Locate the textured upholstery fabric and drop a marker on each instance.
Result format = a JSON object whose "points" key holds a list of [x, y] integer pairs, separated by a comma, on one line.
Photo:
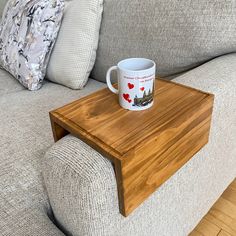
{"points": [[8, 84], [2, 5], [28, 32], [30, 221], [74, 54], [81, 182], [25, 136], [177, 35]]}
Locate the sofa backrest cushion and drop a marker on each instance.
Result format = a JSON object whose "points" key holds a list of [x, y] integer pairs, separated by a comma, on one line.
{"points": [[178, 35], [74, 54]]}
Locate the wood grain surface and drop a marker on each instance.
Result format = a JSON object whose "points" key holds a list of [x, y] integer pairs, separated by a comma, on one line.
{"points": [[146, 147], [221, 219]]}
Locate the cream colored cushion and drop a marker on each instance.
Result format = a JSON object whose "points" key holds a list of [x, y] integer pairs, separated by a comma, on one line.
{"points": [[74, 54], [177, 35]]}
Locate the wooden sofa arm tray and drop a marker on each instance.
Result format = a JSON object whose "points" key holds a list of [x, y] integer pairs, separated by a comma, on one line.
{"points": [[146, 147]]}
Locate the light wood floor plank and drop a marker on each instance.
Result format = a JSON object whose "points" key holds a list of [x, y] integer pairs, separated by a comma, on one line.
{"points": [[207, 228], [224, 233], [195, 233], [223, 224], [226, 219], [230, 195], [225, 207], [221, 219], [233, 185]]}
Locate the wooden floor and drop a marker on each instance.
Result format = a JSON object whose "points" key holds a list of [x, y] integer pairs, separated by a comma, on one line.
{"points": [[221, 219]]}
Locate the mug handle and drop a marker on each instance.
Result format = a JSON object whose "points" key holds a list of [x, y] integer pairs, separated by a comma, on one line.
{"points": [[108, 79]]}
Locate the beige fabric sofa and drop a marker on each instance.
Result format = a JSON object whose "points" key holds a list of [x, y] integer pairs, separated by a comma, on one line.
{"points": [[71, 190]]}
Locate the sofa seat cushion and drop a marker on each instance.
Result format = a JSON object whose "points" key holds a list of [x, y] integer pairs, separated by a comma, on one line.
{"points": [[8, 84], [30, 221], [25, 136]]}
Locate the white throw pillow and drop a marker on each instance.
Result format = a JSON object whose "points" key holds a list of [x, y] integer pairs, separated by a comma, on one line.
{"points": [[74, 54], [28, 32]]}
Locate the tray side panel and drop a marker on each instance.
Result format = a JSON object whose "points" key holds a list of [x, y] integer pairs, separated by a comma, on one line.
{"points": [[148, 166]]}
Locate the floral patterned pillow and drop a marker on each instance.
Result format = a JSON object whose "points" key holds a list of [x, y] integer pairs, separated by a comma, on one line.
{"points": [[28, 32]]}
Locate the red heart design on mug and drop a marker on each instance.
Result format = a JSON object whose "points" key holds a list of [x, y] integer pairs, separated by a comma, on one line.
{"points": [[142, 89], [131, 86], [127, 98]]}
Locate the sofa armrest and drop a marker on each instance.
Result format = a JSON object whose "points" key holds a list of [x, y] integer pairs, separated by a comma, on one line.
{"points": [[82, 188]]}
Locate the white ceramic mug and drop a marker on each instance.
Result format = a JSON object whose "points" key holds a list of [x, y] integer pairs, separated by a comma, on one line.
{"points": [[136, 83]]}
